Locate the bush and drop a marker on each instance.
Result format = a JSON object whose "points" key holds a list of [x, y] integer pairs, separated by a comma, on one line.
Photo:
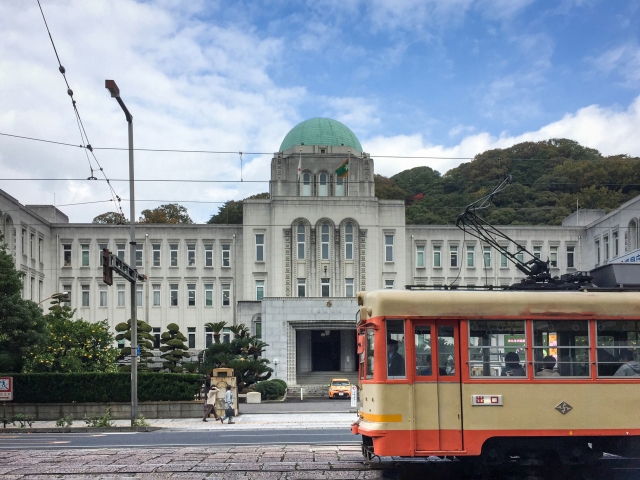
{"points": [[104, 421], [23, 420], [280, 382], [103, 387], [270, 389], [65, 421]]}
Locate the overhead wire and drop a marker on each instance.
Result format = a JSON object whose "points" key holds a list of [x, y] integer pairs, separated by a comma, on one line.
{"points": [[86, 144]]}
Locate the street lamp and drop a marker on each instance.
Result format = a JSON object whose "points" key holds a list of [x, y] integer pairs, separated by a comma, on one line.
{"points": [[115, 93]]}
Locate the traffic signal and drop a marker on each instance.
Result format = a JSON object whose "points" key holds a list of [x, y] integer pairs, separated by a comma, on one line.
{"points": [[107, 273]]}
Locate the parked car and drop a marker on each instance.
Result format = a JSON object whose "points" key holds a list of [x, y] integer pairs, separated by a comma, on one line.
{"points": [[340, 388]]}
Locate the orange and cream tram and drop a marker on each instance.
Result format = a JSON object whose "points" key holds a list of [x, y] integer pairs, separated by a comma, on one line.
{"points": [[499, 373]]}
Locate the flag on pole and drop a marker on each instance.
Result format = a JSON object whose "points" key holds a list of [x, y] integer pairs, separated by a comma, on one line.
{"points": [[300, 165], [343, 170]]}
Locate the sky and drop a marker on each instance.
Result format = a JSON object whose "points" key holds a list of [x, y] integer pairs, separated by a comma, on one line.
{"points": [[432, 78]]}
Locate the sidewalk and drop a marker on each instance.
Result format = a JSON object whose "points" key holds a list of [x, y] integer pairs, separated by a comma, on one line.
{"points": [[248, 421]]}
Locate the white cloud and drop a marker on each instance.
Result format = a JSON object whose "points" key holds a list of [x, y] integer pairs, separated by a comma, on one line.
{"points": [[623, 60], [610, 130]]}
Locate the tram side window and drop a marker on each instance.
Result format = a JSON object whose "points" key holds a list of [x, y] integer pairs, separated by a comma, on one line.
{"points": [[446, 351], [370, 353], [618, 349], [561, 348], [395, 349], [497, 348], [423, 351]]}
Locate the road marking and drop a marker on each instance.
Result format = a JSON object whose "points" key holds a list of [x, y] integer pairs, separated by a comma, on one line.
{"points": [[161, 445]]}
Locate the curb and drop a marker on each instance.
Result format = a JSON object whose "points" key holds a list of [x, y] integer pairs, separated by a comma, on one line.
{"points": [[78, 430]]}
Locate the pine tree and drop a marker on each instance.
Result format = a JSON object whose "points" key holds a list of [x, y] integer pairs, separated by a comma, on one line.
{"points": [[174, 348]]}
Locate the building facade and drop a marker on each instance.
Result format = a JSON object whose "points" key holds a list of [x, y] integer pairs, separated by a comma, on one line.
{"points": [[291, 270]]}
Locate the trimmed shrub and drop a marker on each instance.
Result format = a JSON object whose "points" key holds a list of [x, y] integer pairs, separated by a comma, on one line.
{"points": [[282, 383], [269, 389], [103, 387]]}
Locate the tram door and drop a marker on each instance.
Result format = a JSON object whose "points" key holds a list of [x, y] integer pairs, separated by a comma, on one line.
{"points": [[437, 402]]}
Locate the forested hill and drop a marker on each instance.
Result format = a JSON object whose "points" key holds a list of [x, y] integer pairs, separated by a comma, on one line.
{"points": [[548, 178]]}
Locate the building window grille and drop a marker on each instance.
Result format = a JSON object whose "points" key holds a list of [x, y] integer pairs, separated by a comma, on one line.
{"points": [[301, 242], [420, 256], [85, 295], [553, 256], [324, 240], [85, 255], [226, 294], [191, 294], [208, 294], [173, 294], [453, 255], [121, 295], [156, 295], [306, 184], [348, 242], [173, 255], [437, 256], [325, 287], [103, 296], [260, 247], [156, 254], [570, 256], [226, 255], [388, 248], [471, 256], [66, 255], [208, 255], [348, 287]]}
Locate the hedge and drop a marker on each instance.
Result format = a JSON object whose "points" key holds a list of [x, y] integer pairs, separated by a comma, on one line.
{"points": [[270, 389], [103, 387]]}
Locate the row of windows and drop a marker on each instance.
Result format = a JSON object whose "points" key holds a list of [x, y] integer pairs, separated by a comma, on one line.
{"points": [[32, 245], [173, 298], [325, 242], [322, 185], [156, 254], [325, 287], [225, 336], [486, 252], [607, 247], [502, 348]]}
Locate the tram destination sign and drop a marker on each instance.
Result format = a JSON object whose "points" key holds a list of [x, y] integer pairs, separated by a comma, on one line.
{"points": [[6, 389], [486, 400]]}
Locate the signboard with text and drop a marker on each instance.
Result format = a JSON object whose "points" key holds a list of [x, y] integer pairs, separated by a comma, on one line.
{"points": [[486, 400], [6, 389], [354, 395]]}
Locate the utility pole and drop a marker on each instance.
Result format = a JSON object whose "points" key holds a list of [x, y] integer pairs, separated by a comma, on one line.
{"points": [[115, 93]]}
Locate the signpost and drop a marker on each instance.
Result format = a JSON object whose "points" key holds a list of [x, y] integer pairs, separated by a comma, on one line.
{"points": [[354, 396], [6, 393]]}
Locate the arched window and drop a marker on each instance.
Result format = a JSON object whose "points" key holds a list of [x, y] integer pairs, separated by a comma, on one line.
{"points": [[324, 242], [339, 187], [323, 191], [301, 242], [348, 242], [306, 185]]}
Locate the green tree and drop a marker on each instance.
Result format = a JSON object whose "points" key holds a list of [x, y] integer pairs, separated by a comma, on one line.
{"points": [[169, 213], [145, 341], [74, 345], [22, 326], [111, 218], [216, 328], [231, 212], [174, 349], [387, 189]]}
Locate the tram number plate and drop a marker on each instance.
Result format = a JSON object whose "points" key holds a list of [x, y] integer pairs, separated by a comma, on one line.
{"points": [[486, 400]]}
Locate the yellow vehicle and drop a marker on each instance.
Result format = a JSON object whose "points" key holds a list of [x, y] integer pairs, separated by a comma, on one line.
{"points": [[340, 388], [499, 374]]}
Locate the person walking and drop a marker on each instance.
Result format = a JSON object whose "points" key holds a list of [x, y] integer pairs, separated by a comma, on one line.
{"points": [[210, 403], [228, 406]]}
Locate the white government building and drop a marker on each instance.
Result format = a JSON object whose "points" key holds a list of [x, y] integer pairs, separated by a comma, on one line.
{"points": [[291, 270]]}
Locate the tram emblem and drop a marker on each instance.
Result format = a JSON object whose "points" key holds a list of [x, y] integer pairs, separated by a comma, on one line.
{"points": [[564, 408]]}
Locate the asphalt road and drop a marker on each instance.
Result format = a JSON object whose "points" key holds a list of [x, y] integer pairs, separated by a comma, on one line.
{"points": [[164, 438]]}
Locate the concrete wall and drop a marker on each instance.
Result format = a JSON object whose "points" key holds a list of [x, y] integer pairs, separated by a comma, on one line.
{"points": [[55, 411]]}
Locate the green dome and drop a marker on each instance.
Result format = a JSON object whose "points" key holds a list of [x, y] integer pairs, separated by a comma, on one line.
{"points": [[320, 131]]}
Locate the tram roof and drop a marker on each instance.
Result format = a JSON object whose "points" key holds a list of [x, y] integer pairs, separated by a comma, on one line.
{"points": [[504, 303]]}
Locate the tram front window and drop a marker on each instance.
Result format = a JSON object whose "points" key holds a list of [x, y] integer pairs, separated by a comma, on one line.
{"points": [[566, 342], [446, 352], [618, 348], [497, 348], [395, 349]]}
